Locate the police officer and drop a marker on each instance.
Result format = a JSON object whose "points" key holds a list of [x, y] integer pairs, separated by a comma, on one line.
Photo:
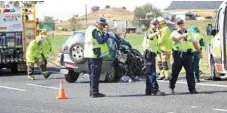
{"points": [[95, 49], [182, 56], [165, 44], [33, 57], [196, 56], [46, 46], [151, 49]]}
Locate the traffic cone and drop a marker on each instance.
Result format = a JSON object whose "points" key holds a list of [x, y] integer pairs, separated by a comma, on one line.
{"points": [[61, 92]]}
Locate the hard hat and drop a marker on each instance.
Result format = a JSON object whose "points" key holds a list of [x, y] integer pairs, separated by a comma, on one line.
{"points": [[194, 28], [40, 38], [102, 21], [155, 20], [161, 20]]}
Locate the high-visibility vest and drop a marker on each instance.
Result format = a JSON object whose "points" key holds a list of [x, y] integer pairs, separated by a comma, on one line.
{"points": [[165, 41], [91, 43], [151, 44], [183, 45]]}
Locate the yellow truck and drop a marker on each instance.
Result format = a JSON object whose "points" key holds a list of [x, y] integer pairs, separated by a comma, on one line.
{"points": [[17, 28], [217, 48]]}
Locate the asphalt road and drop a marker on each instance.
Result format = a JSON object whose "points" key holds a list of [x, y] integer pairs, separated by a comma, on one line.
{"points": [[20, 95]]}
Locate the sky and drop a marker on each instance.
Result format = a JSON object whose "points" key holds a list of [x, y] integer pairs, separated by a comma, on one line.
{"points": [[65, 9]]}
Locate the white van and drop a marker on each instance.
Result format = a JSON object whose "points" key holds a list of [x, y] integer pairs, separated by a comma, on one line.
{"points": [[217, 48]]}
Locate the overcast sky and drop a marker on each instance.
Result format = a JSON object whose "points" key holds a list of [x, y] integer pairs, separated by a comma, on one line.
{"points": [[64, 9]]}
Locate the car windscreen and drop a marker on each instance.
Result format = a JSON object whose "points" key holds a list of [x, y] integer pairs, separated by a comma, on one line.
{"points": [[76, 36]]}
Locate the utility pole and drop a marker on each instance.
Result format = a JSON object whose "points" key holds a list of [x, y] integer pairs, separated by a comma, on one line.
{"points": [[86, 14]]}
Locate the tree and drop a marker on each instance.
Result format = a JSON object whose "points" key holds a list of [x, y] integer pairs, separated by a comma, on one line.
{"points": [[49, 19], [73, 23], [17, 3], [95, 8], [123, 7], [107, 6], [141, 11]]}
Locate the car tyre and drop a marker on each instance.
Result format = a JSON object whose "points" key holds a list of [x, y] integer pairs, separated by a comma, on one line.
{"points": [[214, 73], [111, 74], [72, 76], [76, 53], [14, 69]]}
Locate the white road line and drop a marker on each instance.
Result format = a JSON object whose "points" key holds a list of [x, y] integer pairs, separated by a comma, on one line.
{"points": [[223, 110], [194, 106], [6, 87], [201, 84], [49, 87]]}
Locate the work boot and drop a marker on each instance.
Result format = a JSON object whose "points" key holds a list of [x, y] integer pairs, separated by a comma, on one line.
{"points": [[197, 80], [46, 74], [31, 77], [160, 78], [193, 91], [97, 95], [166, 79], [171, 90], [158, 93]]}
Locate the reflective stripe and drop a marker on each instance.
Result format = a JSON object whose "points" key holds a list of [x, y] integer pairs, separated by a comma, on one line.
{"points": [[151, 43]]}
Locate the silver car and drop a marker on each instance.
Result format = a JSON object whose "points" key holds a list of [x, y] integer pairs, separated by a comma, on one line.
{"points": [[72, 61]]}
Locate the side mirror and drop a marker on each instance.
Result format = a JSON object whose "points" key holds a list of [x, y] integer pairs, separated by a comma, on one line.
{"points": [[209, 30]]}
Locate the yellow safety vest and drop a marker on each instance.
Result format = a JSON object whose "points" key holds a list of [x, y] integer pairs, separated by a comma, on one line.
{"points": [[165, 41], [150, 44], [91, 43], [183, 45]]}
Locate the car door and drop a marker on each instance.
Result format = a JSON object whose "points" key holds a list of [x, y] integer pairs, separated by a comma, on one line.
{"points": [[224, 34]]}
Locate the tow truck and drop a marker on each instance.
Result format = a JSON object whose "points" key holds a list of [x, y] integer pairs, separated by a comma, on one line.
{"points": [[17, 28], [217, 48]]}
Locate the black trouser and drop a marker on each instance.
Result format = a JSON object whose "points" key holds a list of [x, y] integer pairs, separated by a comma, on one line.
{"points": [[180, 60], [95, 68], [150, 71]]}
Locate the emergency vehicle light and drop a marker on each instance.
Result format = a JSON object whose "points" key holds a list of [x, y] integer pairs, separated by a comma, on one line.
{"points": [[8, 10]]}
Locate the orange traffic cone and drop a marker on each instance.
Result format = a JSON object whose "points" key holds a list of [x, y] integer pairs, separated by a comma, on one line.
{"points": [[61, 92]]}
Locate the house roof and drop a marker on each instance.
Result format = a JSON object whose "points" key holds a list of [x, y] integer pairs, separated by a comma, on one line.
{"points": [[194, 5], [109, 11]]}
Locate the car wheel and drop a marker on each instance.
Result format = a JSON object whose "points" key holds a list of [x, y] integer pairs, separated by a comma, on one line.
{"points": [[214, 73], [72, 76], [14, 69], [111, 74], [76, 53]]}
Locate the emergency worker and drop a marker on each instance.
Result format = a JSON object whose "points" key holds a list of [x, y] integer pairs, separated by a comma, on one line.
{"points": [[33, 57], [95, 49], [182, 56], [46, 46], [165, 45], [196, 56], [151, 49]]}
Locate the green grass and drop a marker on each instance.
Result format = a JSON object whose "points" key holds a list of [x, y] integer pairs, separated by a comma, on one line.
{"points": [[136, 40]]}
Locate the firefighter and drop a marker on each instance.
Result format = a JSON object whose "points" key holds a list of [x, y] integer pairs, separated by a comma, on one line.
{"points": [[33, 57], [165, 44], [196, 56], [46, 46], [151, 49], [182, 56], [95, 49]]}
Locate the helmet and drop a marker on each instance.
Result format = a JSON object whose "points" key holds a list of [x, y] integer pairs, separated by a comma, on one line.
{"points": [[161, 20], [102, 21], [154, 20], [40, 38], [194, 28]]}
